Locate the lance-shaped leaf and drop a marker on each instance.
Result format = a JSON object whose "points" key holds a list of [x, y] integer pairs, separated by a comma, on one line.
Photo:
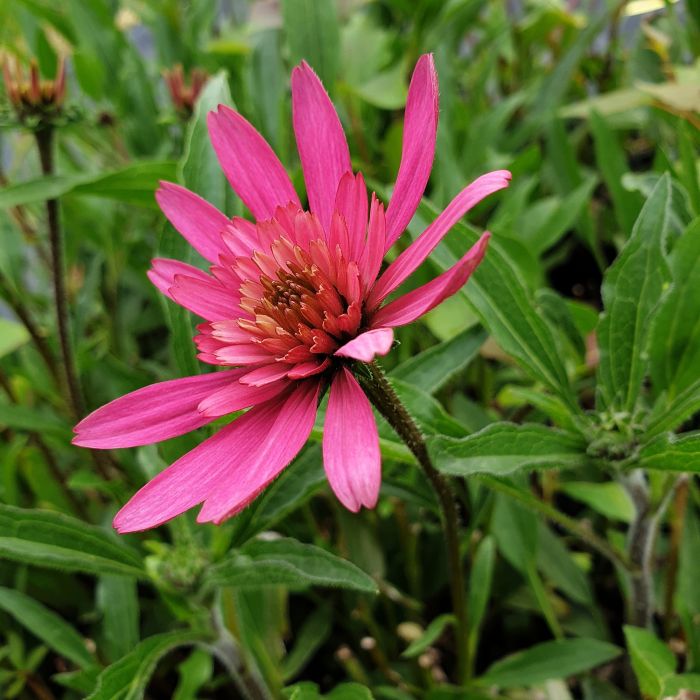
{"points": [[127, 678], [672, 453], [631, 291], [504, 448], [287, 562], [46, 625], [57, 541]]}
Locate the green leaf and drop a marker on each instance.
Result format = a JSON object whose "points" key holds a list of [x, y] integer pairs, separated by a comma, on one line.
{"points": [[480, 579], [194, 672], [117, 598], [12, 336], [433, 368], [609, 499], [311, 28], [313, 633], [675, 336], [653, 662], [134, 184], [199, 169], [557, 659], [431, 417], [612, 163], [431, 634], [43, 538], [670, 414], [631, 290], [46, 625], [287, 562], [127, 678], [33, 420], [675, 453], [503, 448]]}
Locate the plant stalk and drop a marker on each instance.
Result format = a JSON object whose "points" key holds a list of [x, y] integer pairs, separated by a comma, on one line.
{"points": [[384, 398]]}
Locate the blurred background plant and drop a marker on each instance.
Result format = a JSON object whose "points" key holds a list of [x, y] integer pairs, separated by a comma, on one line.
{"points": [[583, 578]]}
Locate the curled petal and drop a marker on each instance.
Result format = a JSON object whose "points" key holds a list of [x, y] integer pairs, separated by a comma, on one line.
{"points": [[164, 270], [411, 258], [366, 346], [351, 455], [252, 168], [157, 412], [418, 150], [414, 304], [323, 150]]}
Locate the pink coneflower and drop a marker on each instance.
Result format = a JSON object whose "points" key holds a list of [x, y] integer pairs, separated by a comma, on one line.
{"points": [[33, 96], [184, 94], [291, 302]]}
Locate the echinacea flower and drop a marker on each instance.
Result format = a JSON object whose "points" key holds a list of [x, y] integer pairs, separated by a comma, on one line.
{"points": [[183, 93], [32, 96], [290, 303]]}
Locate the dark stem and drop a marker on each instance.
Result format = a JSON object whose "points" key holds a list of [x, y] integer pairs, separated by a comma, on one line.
{"points": [[384, 398], [44, 140]]}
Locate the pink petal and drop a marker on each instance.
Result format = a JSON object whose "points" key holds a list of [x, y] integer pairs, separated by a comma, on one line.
{"points": [[351, 445], [163, 271], [264, 455], [323, 150], [368, 344], [198, 221], [308, 369], [151, 414], [411, 258], [252, 168], [373, 253], [206, 297], [351, 202], [244, 354], [418, 151], [192, 478], [411, 306], [237, 396], [266, 375]]}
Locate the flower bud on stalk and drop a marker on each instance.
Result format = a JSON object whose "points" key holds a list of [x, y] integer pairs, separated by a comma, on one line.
{"points": [[37, 103]]}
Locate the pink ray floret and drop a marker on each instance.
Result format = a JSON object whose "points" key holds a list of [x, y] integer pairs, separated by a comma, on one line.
{"points": [[290, 303]]}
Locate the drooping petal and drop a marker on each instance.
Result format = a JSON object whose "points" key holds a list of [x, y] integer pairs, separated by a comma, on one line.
{"points": [[206, 297], [351, 444], [252, 168], [163, 271], [351, 202], [198, 221], [151, 414], [323, 150], [367, 345], [264, 455], [411, 258], [418, 150], [237, 396], [192, 478], [414, 304]]}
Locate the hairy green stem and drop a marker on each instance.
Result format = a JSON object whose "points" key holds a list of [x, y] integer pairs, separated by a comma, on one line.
{"points": [[384, 398]]}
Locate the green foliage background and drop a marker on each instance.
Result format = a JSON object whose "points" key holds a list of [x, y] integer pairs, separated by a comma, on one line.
{"points": [[560, 388]]}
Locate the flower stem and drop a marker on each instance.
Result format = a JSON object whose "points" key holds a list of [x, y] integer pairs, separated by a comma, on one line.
{"points": [[384, 398], [44, 141]]}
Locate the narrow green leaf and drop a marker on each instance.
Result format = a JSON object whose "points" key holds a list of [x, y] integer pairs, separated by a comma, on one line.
{"points": [[287, 562], [609, 499], [46, 625], [431, 634], [480, 579], [311, 28], [431, 417], [653, 662], [12, 336], [127, 678], [431, 369], [670, 414], [503, 448], [117, 598], [674, 453], [56, 541], [631, 291], [557, 659], [612, 163], [313, 633], [674, 346]]}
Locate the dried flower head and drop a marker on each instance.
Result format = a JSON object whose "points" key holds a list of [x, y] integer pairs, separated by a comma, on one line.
{"points": [[31, 97]]}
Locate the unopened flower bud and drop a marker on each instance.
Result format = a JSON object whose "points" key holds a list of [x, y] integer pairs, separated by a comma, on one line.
{"points": [[184, 94]]}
